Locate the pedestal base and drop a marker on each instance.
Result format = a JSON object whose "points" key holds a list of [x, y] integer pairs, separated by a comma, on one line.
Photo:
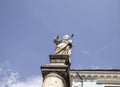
{"points": [[65, 59], [59, 64]]}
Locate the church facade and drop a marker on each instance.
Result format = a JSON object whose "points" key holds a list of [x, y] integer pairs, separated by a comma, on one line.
{"points": [[59, 74], [95, 78]]}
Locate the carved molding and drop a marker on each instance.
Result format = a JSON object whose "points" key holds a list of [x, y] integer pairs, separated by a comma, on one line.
{"points": [[101, 76]]}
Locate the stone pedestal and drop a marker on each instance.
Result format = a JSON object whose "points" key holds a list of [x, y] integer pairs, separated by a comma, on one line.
{"points": [[57, 72], [64, 59]]}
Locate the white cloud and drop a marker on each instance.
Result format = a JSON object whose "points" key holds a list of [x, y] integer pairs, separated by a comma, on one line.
{"points": [[11, 79], [30, 82]]}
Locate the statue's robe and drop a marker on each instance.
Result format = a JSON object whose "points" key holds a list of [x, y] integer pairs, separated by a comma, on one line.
{"points": [[63, 48]]}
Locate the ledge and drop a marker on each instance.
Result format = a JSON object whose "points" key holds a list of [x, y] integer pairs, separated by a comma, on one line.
{"points": [[59, 59]]}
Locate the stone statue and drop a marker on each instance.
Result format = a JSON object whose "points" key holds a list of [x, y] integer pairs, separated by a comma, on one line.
{"points": [[63, 47]]}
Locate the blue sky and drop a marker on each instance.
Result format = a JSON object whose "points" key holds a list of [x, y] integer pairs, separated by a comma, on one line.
{"points": [[28, 27]]}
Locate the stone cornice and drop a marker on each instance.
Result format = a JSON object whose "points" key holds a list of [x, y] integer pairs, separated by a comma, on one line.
{"points": [[101, 76]]}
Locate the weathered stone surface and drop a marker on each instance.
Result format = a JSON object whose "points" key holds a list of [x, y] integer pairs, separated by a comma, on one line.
{"points": [[53, 80], [60, 65], [101, 76], [54, 68], [60, 59]]}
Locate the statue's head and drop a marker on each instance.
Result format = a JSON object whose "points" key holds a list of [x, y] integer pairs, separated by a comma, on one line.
{"points": [[66, 37]]}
